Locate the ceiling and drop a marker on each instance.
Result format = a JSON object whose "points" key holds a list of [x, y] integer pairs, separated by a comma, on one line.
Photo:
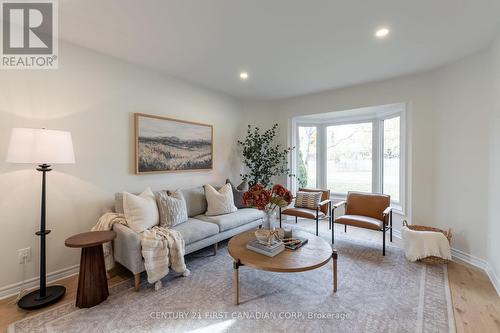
{"points": [[288, 47]]}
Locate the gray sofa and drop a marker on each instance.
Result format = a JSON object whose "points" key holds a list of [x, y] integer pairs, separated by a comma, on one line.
{"points": [[198, 232]]}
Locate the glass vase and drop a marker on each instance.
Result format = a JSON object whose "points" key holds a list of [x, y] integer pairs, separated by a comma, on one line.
{"points": [[269, 219]]}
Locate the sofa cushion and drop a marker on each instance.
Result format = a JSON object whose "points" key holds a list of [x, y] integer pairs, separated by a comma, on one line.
{"points": [[172, 208], [194, 230], [238, 192], [219, 201], [233, 220], [141, 211], [195, 200]]}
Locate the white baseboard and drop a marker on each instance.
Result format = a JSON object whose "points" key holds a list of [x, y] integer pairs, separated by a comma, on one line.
{"points": [[495, 280], [469, 259], [479, 263], [14, 288]]}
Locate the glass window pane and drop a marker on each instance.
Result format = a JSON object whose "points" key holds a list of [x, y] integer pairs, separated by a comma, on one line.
{"points": [[306, 167], [349, 157], [392, 152]]}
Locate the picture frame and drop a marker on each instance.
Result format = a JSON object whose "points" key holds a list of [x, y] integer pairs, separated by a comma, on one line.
{"points": [[164, 144]]}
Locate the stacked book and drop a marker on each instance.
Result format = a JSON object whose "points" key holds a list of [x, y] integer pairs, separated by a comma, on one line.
{"points": [[271, 250], [295, 242]]}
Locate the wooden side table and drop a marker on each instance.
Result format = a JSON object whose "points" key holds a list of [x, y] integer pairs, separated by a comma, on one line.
{"points": [[92, 281]]}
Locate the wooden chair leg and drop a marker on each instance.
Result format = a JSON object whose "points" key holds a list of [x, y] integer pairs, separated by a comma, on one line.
{"points": [[137, 281]]}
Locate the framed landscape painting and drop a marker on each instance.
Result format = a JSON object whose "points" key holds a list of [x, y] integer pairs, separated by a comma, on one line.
{"points": [[164, 144]]}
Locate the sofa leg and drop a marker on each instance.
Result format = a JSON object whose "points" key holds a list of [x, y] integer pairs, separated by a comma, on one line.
{"points": [[137, 281], [216, 245], [345, 227], [295, 219]]}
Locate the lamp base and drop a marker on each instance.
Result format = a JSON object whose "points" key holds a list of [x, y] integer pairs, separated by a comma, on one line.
{"points": [[33, 301]]}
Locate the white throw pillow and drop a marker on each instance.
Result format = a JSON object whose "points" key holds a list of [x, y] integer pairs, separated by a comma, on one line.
{"points": [[172, 208], [140, 210], [219, 202]]}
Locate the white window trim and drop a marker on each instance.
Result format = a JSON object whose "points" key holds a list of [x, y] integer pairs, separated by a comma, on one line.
{"points": [[377, 120]]}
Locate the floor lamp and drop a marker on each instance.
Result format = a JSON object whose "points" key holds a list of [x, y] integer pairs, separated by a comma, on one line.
{"points": [[43, 147]]}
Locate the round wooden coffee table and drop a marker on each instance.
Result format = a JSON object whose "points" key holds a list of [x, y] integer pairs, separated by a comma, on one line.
{"points": [[316, 253], [92, 281]]}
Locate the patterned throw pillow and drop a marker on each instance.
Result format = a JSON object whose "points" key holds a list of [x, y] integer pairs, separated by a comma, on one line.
{"points": [[309, 200], [172, 208], [238, 192], [219, 202]]}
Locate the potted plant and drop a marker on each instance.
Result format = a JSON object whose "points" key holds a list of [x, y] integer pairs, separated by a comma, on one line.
{"points": [[267, 200], [263, 157]]}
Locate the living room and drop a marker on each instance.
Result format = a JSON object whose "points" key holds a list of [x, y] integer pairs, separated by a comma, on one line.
{"points": [[377, 99]]}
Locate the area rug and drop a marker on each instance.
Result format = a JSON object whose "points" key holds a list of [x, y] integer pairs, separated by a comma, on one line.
{"points": [[375, 294]]}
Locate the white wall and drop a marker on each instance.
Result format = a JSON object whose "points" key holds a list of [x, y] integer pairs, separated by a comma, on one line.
{"points": [[93, 96], [462, 106], [494, 172]]}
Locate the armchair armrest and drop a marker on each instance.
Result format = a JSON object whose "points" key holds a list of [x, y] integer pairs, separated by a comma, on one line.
{"points": [[324, 202], [339, 204], [387, 211], [388, 216]]}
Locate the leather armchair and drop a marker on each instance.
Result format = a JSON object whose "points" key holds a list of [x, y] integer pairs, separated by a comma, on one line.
{"points": [[365, 210], [321, 212]]}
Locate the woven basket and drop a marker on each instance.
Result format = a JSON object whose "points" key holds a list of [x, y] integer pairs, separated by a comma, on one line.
{"points": [[430, 260]]}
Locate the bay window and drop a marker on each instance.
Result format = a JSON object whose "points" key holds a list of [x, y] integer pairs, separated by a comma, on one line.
{"points": [[358, 151]]}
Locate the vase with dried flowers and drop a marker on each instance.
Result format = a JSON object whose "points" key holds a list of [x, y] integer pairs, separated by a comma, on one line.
{"points": [[267, 200]]}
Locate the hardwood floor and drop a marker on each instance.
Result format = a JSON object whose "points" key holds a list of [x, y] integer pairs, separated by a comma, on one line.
{"points": [[475, 302]]}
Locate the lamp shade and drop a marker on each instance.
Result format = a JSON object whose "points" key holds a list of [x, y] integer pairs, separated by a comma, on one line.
{"points": [[40, 146]]}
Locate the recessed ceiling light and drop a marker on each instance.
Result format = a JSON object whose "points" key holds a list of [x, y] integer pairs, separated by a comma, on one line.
{"points": [[382, 32], [243, 75]]}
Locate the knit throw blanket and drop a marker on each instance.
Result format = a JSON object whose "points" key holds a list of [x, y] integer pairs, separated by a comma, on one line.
{"points": [[106, 222], [161, 249], [422, 244]]}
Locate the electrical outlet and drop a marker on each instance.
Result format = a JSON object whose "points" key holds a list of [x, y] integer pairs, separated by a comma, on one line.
{"points": [[24, 255]]}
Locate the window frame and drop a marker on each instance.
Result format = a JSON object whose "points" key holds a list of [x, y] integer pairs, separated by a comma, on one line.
{"points": [[377, 119]]}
